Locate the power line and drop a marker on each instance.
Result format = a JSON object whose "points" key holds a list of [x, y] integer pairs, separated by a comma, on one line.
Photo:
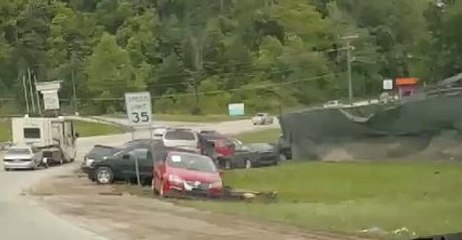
{"points": [[240, 74], [232, 63], [220, 91]]}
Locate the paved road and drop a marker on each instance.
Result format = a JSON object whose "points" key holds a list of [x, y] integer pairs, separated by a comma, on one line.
{"points": [[229, 127], [22, 219]]}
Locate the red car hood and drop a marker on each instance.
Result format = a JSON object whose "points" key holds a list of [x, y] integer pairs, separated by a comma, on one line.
{"points": [[190, 175]]}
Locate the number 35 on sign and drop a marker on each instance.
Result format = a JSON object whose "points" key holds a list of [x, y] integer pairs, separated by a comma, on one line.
{"points": [[139, 110]]}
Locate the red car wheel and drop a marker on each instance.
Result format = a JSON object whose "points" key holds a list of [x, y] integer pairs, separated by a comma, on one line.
{"points": [[153, 187]]}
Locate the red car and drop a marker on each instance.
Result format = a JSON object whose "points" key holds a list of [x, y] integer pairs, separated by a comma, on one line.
{"points": [[223, 146], [183, 173]]}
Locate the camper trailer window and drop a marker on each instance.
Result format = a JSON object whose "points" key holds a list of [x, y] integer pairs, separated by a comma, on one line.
{"points": [[31, 132]]}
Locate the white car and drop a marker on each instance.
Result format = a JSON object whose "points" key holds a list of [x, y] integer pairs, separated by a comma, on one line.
{"points": [[182, 138], [332, 104], [262, 119], [159, 132], [22, 157]]}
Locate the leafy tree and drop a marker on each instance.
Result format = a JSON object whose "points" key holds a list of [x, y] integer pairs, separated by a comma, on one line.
{"points": [[266, 53], [109, 70]]}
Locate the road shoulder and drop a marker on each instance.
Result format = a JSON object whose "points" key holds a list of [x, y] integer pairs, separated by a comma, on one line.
{"points": [[127, 216]]}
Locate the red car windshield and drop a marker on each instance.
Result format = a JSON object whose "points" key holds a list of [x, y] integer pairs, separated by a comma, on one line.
{"points": [[192, 162]]}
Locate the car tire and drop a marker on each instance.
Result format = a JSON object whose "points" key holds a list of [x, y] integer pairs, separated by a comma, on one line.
{"points": [[104, 175], [153, 187], [91, 178], [247, 164]]}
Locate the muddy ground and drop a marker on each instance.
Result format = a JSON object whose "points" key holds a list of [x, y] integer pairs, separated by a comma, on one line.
{"points": [[114, 212]]}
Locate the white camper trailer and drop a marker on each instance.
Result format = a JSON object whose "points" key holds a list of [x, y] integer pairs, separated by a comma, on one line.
{"points": [[55, 137]]}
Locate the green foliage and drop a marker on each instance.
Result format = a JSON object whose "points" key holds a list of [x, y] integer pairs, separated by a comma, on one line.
{"points": [[263, 53], [5, 130]]}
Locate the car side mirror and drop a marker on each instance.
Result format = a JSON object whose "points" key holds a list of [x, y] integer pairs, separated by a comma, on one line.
{"points": [[126, 156], [221, 173]]}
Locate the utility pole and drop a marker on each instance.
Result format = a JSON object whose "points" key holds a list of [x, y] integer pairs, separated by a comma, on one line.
{"points": [[74, 93], [198, 48], [25, 92], [349, 48], [29, 79], [39, 107]]}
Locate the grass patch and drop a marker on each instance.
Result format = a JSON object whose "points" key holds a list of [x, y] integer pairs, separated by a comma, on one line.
{"points": [[426, 198], [89, 129], [5, 130], [269, 135]]}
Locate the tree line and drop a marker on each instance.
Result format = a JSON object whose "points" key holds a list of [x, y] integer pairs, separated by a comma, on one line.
{"points": [[201, 55]]}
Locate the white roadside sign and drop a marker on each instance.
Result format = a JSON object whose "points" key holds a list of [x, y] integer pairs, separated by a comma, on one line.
{"points": [[139, 109], [387, 84], [50, 99]]}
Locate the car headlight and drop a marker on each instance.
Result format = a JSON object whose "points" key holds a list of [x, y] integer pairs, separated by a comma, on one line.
{"points": [[90, 162], [175, 179], [217, 184]]}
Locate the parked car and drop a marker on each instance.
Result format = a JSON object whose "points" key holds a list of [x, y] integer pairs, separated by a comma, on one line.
{"points": [[145, 141], [221, 146], [284, 149], [121, 165], [251, 155], [182, 173], [159, 132], [262, 119], [266, 155], [332, 104], [22, 157], [182, 138], [96, 154], [100, 152], [210, 132]]}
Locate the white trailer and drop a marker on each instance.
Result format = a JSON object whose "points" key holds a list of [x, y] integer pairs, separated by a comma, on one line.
{"points": [[54, 136]]}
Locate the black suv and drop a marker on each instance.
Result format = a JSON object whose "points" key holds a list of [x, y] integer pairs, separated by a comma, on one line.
{"points": [[120, 163]]}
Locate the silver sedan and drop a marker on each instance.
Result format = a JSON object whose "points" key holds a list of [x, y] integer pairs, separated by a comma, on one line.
{"points": [[22, 157]]}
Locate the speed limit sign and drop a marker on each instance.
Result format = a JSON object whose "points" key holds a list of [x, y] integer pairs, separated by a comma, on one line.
{"points": [[139, 110]]}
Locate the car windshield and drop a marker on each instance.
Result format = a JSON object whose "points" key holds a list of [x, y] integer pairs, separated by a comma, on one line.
{"points": [[260, 146], [179, 135], [192, 162], [19, 151], [103, 151]]}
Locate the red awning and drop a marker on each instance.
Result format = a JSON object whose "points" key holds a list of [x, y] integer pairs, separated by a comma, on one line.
{"points": [[406, 81]]}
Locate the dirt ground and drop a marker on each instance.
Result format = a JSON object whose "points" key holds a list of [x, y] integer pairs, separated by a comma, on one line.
{"points": [[118, 214]]}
